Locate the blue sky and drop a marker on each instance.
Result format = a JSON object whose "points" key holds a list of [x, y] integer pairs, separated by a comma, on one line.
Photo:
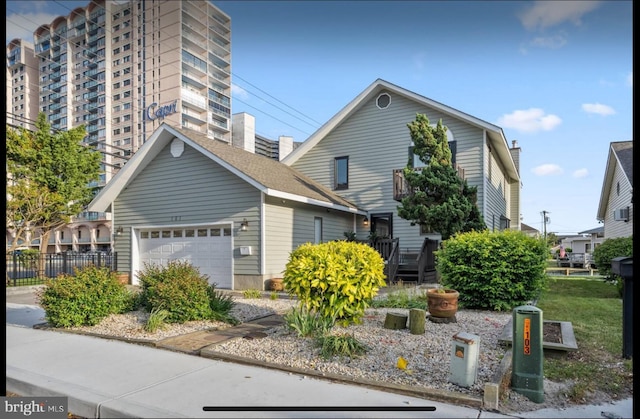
{"points": [[555, 75]]}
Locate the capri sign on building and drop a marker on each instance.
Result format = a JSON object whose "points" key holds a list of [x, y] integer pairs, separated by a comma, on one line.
{"points": [[155, 111]]}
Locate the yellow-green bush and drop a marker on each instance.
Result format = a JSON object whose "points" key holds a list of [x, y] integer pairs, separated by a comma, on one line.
{"points": [[338, 279], [493, 270], [84, 299]]}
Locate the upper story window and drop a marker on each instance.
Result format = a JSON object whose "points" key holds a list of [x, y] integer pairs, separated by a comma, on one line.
{"points": [[341, 172], [415, 160]]}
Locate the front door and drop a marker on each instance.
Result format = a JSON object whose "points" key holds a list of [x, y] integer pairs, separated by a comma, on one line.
{"points": [[382, 225]]}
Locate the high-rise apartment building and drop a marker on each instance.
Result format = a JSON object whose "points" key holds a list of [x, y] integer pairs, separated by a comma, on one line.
{"points": [[22, 84], [122, 68]]}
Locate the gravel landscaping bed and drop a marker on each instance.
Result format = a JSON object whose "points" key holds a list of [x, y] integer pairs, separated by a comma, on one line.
{"points": [[428, 355]]}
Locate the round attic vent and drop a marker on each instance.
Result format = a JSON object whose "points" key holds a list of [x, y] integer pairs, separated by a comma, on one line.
{"points": [[383, 101]]}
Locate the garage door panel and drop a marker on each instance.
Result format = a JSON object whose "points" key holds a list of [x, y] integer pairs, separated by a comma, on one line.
{"points": [[211, 254]]}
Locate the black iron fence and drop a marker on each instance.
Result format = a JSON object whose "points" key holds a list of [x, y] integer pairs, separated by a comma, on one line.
{"points": [[31, 269]]}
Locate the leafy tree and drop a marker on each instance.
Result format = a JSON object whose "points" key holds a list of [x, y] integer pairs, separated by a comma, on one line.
{"points": [[440, 200], [48, 178], [552, 240]]}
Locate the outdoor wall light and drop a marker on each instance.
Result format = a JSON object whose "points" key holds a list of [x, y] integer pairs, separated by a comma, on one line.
{"points": [[119, 231], [244, 225], [366, 221]]}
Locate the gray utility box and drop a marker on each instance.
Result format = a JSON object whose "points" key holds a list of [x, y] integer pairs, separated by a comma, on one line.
{"points": [[465, 352]]}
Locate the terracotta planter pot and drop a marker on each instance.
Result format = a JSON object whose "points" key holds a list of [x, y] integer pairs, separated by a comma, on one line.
{"points": [[442, 304], [276, 284], [123, 278]]}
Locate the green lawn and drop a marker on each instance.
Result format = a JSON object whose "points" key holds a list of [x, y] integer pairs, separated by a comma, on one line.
{"points": [[594, 308]]}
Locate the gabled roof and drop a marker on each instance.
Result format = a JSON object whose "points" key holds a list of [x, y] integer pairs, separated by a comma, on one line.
{"points": [[524, 227], [597, 230], [496, 136], [620, 154], [267, 175]]}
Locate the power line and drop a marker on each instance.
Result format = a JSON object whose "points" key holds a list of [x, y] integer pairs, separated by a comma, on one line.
{"points": [[137, 108], [172, 37]]}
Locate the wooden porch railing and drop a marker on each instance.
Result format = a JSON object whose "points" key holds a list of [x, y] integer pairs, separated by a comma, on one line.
{"points": [[401, 188], [426, 259], [389, 250]]}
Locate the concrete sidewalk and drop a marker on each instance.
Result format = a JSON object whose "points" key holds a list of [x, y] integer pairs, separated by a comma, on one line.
{"points": [[107, 378]]}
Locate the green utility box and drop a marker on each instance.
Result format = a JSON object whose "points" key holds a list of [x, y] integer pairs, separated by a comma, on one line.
{"points": [[527, 372]]}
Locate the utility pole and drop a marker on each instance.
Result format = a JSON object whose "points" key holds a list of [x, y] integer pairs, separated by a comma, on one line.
{"points": [[545, 221]]}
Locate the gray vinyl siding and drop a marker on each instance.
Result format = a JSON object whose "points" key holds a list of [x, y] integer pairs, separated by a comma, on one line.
{"points": [[513, 205], [190, 189], [497, 190], [290, 224], [377, 142], [612, 228]]}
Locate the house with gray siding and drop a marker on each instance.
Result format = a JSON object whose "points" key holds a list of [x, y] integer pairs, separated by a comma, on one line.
{"points": [[615, 209], [360, 153], [233, 214], [237, 216]]}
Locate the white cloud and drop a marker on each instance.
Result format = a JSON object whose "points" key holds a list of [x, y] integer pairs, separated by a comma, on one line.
{"points": [[547, 170], [630, 79], [580, 173], [545, 14], [530, 120], [239, 91], [598, 108], [551, 42]]}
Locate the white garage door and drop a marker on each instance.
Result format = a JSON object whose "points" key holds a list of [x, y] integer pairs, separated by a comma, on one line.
{"points": [[207, 248]]}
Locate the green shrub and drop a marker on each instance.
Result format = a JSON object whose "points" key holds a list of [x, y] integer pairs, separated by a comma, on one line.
{"points": [[156, 320], [306, 323], [337, 279], [252, 293], [493, 270], [133, 301], [178, 288], [401, 299], [340, 345], [221, 305], [84, 299], [608, 250], [29, 258]]}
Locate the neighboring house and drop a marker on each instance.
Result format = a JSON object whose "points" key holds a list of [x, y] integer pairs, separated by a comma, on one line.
{"points": [[596, 237], [233, 214], [616, 199], [529, 231], [360, 154], [577, 243]]}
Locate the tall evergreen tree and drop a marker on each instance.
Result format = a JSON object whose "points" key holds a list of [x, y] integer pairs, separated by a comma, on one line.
{"points": [[439, 199]]}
